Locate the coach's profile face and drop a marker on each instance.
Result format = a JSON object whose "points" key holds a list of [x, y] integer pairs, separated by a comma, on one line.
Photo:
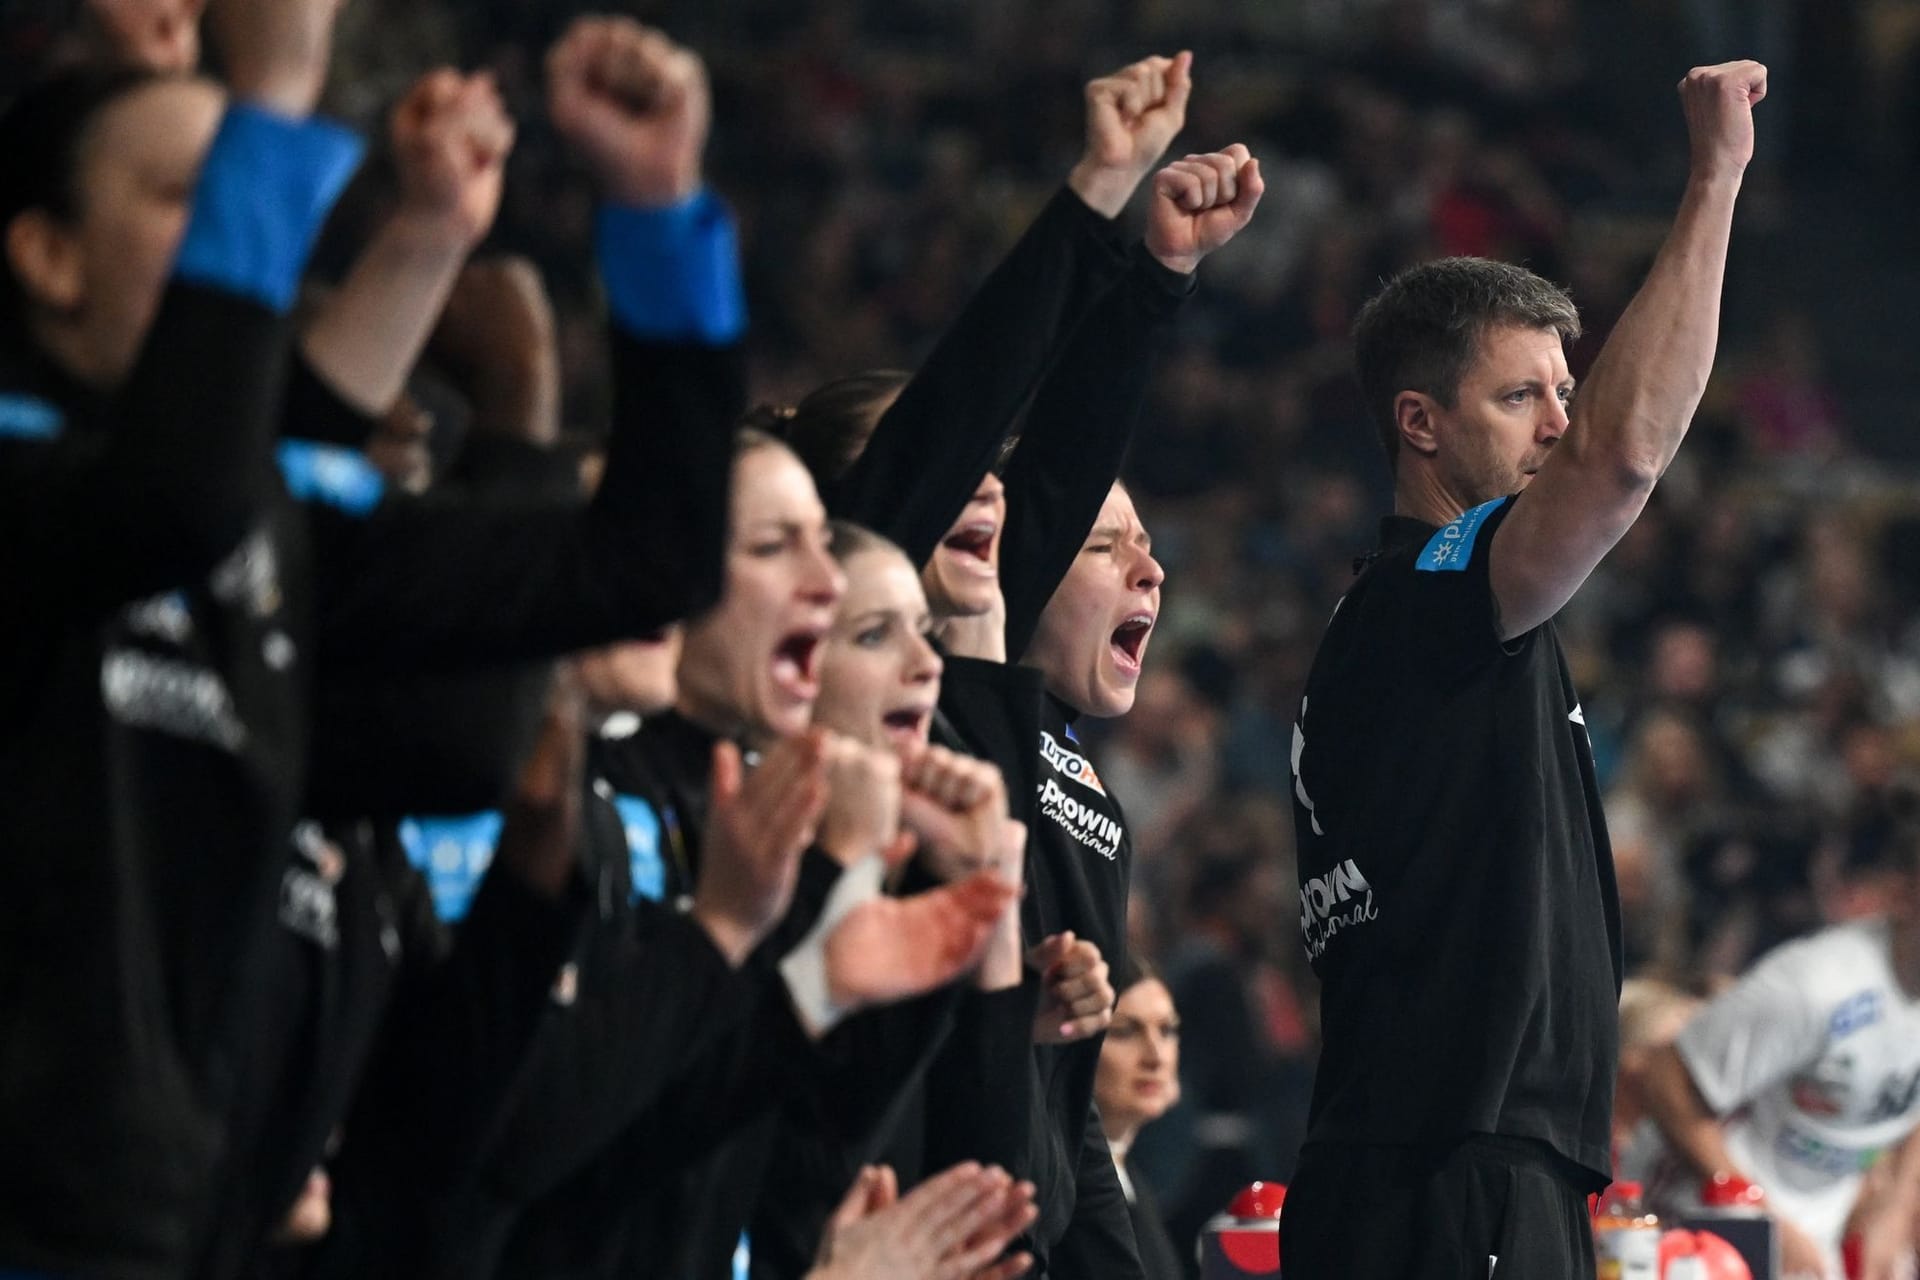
{"points": [[1508, 412]]}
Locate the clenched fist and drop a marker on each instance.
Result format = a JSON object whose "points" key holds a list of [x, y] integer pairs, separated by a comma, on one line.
{"points": [[1719, 104], [451, 136], [635, 104], [1200, 203], [1133, 115]]}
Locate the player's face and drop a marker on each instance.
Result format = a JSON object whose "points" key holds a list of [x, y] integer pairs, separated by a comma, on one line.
{"points": [[1092, 636], [98, 278], [1510, 410], [751, 665], [1139, 1074], [879, 675], [963, 578]]}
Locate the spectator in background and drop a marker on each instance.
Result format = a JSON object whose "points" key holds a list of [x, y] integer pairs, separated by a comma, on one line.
{"points": [[1138, 1080]]}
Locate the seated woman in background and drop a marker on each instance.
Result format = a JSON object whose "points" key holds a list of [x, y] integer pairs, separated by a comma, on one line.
{"points": [[1138, 1082]]}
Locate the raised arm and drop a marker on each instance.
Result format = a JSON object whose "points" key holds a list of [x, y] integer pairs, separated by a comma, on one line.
{"points": [[181, 473], [450, 137], [1083, 416], [1634, 408], [932, 446], [463, 583]]}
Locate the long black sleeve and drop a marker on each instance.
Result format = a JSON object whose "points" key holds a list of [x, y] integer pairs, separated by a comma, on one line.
{"points": [[934, 444], [1076, 437], [433, 581], [1099, 1240]]}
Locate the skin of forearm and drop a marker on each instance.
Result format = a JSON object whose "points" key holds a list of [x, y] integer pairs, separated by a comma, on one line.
{"points": [[365, 338], [1634, 408], [1103, 190], [1690, 1127]]}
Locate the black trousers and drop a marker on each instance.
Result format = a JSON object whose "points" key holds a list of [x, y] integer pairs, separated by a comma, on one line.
{"points": [[1485, 1206]]}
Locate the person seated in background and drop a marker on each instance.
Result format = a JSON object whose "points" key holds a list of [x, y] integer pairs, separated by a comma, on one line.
{"points": [[1797, 1081], [1138, 1081], [1652, 1015]]}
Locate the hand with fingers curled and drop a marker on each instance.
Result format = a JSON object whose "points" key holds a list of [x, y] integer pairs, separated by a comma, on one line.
{"points": [[863, 804], [1133, 116], [1719, 103], [160, 35], [451, 136], [956, 807], [759, 828], [1200, 203], [635, 104], [1077, 992], [953, 1226]]}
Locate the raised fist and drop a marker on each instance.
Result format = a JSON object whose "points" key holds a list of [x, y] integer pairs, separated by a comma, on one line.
{"points": [[758, 829], [451, 135], [160, 35], [863, 803], [888, 949], [635, 104], [1133, 116], [957, 807], [1076, 989], [1719, 104], [1200, 203], [276, 51]]}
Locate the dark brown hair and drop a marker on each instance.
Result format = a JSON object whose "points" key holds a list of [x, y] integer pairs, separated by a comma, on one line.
{"points": [[1422, 331]]}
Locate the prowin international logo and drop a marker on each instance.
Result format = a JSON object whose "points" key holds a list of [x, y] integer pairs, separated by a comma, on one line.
{"points": [[1340, 899], [1085, 823], [1069, 763]]}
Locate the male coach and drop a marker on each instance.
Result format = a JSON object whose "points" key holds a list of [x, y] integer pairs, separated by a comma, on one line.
{"points": [[1456, 885]]}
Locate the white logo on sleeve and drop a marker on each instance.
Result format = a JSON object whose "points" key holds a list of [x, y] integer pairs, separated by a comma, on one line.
{"points": [[1340, 899]]}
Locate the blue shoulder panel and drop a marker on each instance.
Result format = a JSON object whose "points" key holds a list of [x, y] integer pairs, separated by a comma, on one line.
{"points": [[328, 474], [267, 186], [642, 827], [1449, 550], [24, 417], [453, 854]]}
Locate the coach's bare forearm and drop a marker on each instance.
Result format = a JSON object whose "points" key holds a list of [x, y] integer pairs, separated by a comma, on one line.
{"points": [[1634, 408]]}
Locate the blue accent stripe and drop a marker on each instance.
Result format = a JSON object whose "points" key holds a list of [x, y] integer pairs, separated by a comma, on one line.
{"points": [[330, 475], [267, 186], [24, 417], [645, 865], [453, 854], [673, 273], [1450, 550]]}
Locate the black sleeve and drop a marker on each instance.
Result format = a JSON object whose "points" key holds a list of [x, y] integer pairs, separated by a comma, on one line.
{"points": [[1099, 1239], [313, 410], [385, 745], [90, 520], [430, 581], [1076, 436], [980, 1085], [941, 436]]}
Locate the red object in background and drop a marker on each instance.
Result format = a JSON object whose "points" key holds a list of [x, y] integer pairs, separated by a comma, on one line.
{"points": [[1729, 1191], [1245, 1240], [1700, 1255], [1853, 1258]]}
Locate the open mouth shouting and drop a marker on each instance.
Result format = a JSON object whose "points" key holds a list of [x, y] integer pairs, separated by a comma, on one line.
{"points": [[1128, 644], [907, 726], [796, 664], [970, 547]]}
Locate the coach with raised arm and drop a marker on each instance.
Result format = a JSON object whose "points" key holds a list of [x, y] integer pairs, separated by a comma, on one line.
{"points": [[1457, 894]]}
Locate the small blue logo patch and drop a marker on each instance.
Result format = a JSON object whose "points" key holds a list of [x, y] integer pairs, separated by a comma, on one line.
{"points": [[1449, 550], [328, 474], [1858, 1013], [647, 867], [453, 854]]}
